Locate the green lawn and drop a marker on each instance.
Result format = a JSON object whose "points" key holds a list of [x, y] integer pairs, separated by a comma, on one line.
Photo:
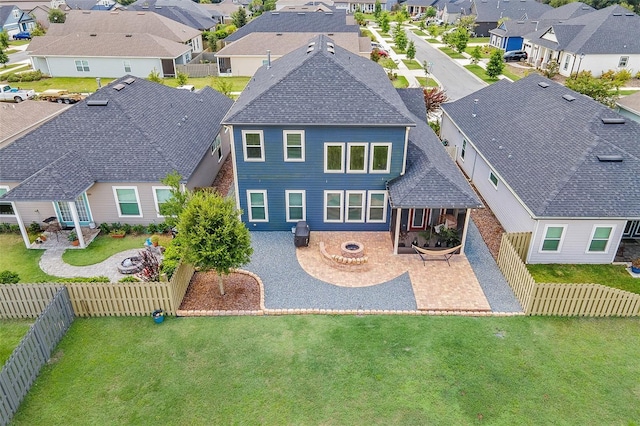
{"points": [[610, 275], [452, 53], [625, 92], [7, 68], [433, 41], [480, 73], [510, 75], [398, 51], [341, 370], [483, 40], [239, 83], [18, 42], [420, 33], [400, 82], [11, 332], [17, 258], [427, 82], [412, 64], [104, 247]]}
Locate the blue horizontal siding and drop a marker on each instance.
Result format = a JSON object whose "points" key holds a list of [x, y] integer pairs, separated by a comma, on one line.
{"points": [[277, 176]]}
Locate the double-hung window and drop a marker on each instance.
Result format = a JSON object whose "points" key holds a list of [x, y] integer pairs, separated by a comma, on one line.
{"points": [[6, 207], [127, 66], [216, 147], [333, 205], [380, 158], [257, 206], [253, 145], [600, 237], [377, 211], [296, 209], [82, 66], [160, 195], [333, 157], [357, 158], [463, 151], [127, 200], [293, 145], [552, 241], [355, 206]]}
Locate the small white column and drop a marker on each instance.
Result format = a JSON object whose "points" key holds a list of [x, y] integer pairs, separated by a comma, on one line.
{"points": [[397, 233], [467, 217], [23, 230], [76, 223]]}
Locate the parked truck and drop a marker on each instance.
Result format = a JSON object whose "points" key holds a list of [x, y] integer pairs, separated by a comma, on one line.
{"points": [[8, 93], [60, 96]]}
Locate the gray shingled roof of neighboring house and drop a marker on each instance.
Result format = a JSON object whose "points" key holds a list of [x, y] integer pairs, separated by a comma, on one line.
{"points": [[567, 11], [515, 28], [186, 12], [423, 3], [546, 148], [432, 179], [81, 4], [107, 45], [287, 22], [145, 131], [313, 86], [123, 22], [613, 30], [494, 10], [5, 12], [282, 43]]}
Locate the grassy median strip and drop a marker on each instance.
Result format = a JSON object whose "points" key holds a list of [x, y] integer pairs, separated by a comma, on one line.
{"points": [[479, 72], [451, 53], [340, 370], [412, 64]]}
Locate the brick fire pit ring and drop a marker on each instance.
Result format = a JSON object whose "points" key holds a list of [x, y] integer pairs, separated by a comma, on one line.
{"points": [[352, 249]]}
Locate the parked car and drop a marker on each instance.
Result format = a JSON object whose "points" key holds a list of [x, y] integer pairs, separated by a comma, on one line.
{"points": [[22, 35], [383, 53], [434, 21], [8, 93], [375, 45], [417, 17], [515, 55]]}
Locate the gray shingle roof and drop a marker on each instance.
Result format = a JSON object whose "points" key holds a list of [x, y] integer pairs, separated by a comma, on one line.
{"points": [[432, 179], [320, 88], [287, 22], [515, 28], [145, 131], [186, 12], [494, 10], [546, 148], [567, 11]]}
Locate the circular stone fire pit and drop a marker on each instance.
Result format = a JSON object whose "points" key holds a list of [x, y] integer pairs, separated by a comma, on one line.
{"points": [[130, 265], [352, 249]]}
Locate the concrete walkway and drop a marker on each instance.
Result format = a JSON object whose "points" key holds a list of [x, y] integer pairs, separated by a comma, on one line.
{"points": [[51, 263]]}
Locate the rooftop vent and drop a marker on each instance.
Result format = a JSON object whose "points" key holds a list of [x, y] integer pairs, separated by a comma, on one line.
{"points": [[130, 80], [300, 13], [612, 120], [568, 98], [543, 84], [128, 35], [158, 7], [310, 49], [278, 34], [97, 102], [330, 45], [617, 14], [629, 14], [328, 13], [119, 87], [93, 35], [331, 50], [313, 43], [330, 34], [586, 8], [275, 13], [86, 12], [609, 158]]}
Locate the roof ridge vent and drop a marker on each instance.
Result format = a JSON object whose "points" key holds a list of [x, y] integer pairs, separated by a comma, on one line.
{"points": [[97, 102], [275, 13], [613, 120], [629, 14], [568, 98], [301, 13], [543, 84], [610, 158], [93, 34]]}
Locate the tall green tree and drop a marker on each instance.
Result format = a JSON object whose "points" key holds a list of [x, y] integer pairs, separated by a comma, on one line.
{"points": [[401, 40], [431, 12], [411, 50], [383, 22], [4, 39], [461, 39], [239, 17], [211, 235], [57, 16], [4, 58], [496, 64], [178, 199], [377, 10]]}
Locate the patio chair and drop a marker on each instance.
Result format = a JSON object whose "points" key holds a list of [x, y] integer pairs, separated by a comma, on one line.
{"points": [[446, 253]]}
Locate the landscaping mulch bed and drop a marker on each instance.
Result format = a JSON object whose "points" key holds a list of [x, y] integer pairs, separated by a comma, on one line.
{"points": [[489, 227], [242, 293], [224, 179]]}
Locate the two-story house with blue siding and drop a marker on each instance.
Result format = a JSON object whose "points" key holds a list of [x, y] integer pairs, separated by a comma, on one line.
{"points": [[317, 136]]}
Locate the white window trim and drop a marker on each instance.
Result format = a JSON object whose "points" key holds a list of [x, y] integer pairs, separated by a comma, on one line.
{"points": [[463, 149], [82, 64], [412, 224], [13, 206], [326, 148], [115, 197], [266, 205], [304, 203], [244, 145], [285, 133], [593, 232], [371, 157], [341, 206], [363, 206], [218, 149], [544, 235], [626, 62], [155, 198], [125, 66], [364, 163], [495, 185], [384, 206]]}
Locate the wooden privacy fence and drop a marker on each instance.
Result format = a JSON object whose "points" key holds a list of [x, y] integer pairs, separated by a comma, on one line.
{"points": [[99, 299], [560, 299], [35, 349]]}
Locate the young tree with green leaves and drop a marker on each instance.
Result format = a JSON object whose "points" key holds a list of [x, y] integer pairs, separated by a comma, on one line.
{"points": [[176, 203], [359, 18], [155, 77], [476, 54], [211, 235], [4, 39], [223, 85], [377, 9], [461, 39], [389, 65], [182, 78], [56, 16], [431, 12], [239, 17], [383, 22], [496, 64], [600, 89], [411, 50], [4, 58]]}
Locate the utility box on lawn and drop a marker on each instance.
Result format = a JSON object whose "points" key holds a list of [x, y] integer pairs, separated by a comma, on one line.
{"points": [[301, 238]]}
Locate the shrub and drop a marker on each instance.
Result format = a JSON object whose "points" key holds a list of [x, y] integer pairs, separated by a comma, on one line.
{"points": [[138, 229], [608, 75], [152, 228], [163, 227], [126, 228], [25, 76], [171, 259], [638, 75], [116, 226], [9, 228], [34, 228], [552, 69], [99, 279], [9, 277], [104, 228], [129, 279], [621, 77]]}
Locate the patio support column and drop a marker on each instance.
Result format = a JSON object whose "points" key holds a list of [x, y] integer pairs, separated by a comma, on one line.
{"points": [[23, 230], [467, 217], [76, 223], [396, 237]]}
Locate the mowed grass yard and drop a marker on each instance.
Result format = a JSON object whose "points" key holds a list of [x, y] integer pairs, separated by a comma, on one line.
{"points": [[341, 370], [11, 332]]}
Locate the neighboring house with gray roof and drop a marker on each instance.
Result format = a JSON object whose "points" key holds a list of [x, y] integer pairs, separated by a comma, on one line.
{"points": [[113, 44], [319, 135], [185, 12], [366, 6], [245, 56], [102, 159], [222, 11], [13, 20], [103, 5], [602, 40], [552, 162], [629, 106]]}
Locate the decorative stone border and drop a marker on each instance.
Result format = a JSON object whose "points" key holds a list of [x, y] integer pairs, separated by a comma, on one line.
{"points": [[341, 260]]}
